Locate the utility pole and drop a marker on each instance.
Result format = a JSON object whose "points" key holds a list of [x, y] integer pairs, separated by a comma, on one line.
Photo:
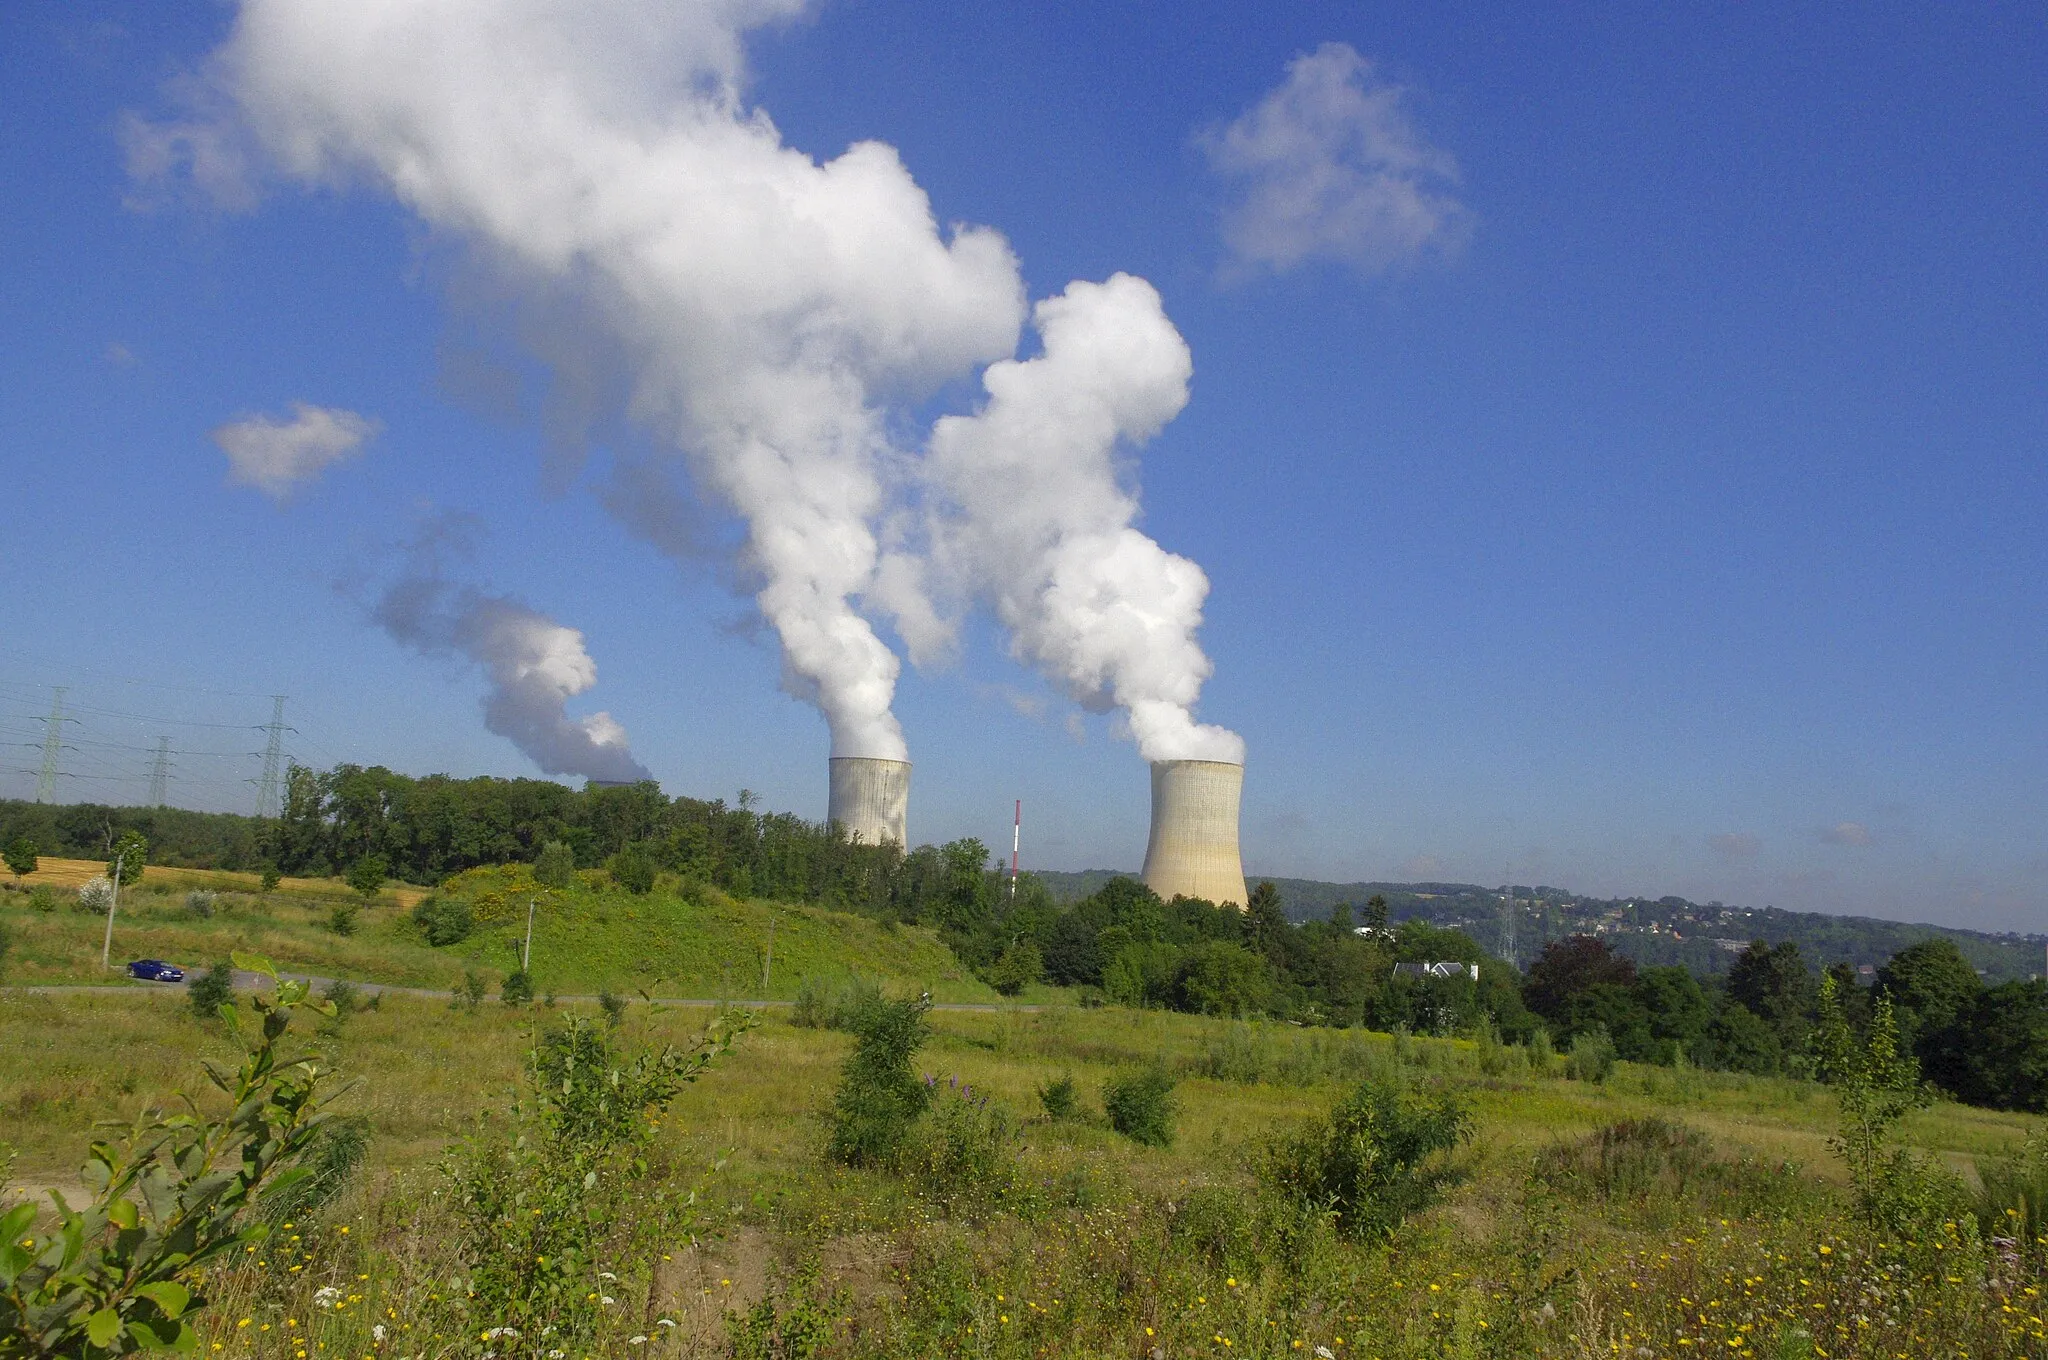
{"points": [[273, 759], [768, 956], [526, 955], [46, 783], [160, 772], [107, 945], [1016, 841]]}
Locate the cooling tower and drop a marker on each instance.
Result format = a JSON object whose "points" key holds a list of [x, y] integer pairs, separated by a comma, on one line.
{"points": [[1193, 849], [871, 799]]}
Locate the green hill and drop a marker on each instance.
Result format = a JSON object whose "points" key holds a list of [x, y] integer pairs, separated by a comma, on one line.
{"points": [[704, 944]]}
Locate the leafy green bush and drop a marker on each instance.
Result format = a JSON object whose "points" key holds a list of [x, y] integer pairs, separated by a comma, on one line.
{"points": [[42, 897], [516, 989], [342, 919], [571, 1184], [1060, 1097], [822, 1005], [1141, 1107], [555, 866], [211, 990], [963, 1154], [634, 867], [444, 920], [469, 993], [793, 1322], [1592, 1056], [167, 1200], [613, 1005], [879, 1097], [200, 903], [367, 875], [1021, 965], [1372, 1161]]}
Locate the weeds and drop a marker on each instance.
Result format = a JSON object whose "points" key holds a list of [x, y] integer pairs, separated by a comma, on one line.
{"points": [[1373, 1161], [1141, 1107]]}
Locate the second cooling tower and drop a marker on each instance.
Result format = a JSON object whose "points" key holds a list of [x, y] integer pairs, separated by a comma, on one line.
{"points": [[870, 799], [1193, 848]]}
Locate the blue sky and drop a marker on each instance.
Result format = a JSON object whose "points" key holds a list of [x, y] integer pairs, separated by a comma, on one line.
{"points": [[1672, 520]]}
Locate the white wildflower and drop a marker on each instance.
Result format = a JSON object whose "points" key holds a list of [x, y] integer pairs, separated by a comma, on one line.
{"points": [[607, 1300], [663, 1322], [636, 1341], [606, 1275], [326, 1296], [1325, 1353], [377, 1333]]}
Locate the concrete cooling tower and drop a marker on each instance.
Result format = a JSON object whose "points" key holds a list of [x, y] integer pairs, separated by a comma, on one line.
{"points": [[871, 799], [1193, 849]]}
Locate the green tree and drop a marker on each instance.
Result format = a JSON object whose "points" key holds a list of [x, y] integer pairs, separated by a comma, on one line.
{"points": [[130, 853], [1222, 977], [1995, 1051], [1376, 914], [879, 1096], [1877, 1083], [1739, 1041], [1019, 967], [211, 990], [1569, 967], [633, 867], [367, 875], [1930, 984], [555, 866], [20, 855], [1678, 1014], [1776, 985], [270, 878]]}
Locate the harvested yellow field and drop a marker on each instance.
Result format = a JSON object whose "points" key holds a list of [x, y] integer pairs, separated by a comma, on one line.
{"points": [[71, 873]]}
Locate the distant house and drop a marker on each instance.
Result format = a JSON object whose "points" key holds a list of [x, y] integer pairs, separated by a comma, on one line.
{"points": [[1437, 970]]}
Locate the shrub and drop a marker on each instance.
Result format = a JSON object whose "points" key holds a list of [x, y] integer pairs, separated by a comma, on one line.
{"points": [[130, 854], [613, 1005], [42, 897], [469, 993], [342, 919], [820, 1005], [963, 1153], [879, 1097], [633, 867], [95, 895], [20, 856], [444, 920], [1632, 1159], [2013, 1199], [367, 875], [1019, 967], [330, 1164], [516, 989], [211, 990], [270, 878], [170, 1199], [200, 903], [574, 1184], [1373, 1161], [1141, 1107], [555, 866], [1060, 1097], [1592, 1056]]}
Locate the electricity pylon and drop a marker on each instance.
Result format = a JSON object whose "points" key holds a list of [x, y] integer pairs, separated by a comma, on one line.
{"points": [[160, 772], [273, 759], [46, 783]]}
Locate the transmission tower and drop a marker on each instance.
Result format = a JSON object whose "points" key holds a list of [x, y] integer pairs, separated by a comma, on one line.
{"points": [[159, 771], [46, 784], [273, 759], [1507, 922]]}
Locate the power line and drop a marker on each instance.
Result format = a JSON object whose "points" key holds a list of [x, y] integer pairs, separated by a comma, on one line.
{"points": [[46, 780]]}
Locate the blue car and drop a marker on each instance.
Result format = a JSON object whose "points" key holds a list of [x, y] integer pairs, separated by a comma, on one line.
{"points": [[155, 970]]}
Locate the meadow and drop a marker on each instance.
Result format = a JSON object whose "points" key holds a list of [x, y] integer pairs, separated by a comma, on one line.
{"points": [[1734, 1237]]}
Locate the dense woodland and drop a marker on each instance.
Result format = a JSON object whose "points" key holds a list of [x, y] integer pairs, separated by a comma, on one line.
{"points": [[1988, 1045]]}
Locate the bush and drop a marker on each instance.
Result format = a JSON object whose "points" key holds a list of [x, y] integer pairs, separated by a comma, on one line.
{"points": [[614, 1007], [1141, 1107], [200, 903], [1372, 1161], [1060, 1097], [879, 1097], [42, 897], [633, 867], [963, 1153], [95, 895], [270, 878], [330, 1164], [1019, 967], [342, 919], [211, 990], [555, 866], [469, 993], [367, 875], [516, 989], [2013, 1200], [1592, 1057], [444, 920], [820, 1005], [1633, 1159]]}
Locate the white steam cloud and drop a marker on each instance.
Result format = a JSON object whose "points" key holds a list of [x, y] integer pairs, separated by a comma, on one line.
{"points": [[767, 314], [276, 456], [1032, 517], [535, 667]]}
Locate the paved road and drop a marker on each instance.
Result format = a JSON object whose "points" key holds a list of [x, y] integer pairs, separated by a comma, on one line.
{"points": [[246, 982]]}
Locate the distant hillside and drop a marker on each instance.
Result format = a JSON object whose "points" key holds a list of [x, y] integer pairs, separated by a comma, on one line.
{"points": [[1667, 930]]}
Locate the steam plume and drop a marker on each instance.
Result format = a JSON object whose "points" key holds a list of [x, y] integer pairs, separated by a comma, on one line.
{"points": [[599, 153], [596, 159], [535, 666], [1035, 521]]}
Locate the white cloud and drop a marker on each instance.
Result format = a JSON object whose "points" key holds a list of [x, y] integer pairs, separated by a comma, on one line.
{"points": [[1735, 845], [275, 456], [1330, 166], [1845, 833]]}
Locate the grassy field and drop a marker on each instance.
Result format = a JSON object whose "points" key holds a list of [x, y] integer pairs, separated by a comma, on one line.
{"points": [[1101, 1247], [583, 941], [70, 873]]}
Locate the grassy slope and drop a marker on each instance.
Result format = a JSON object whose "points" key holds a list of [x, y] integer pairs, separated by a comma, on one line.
{"points": [[70, 873], [591, 940]]}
